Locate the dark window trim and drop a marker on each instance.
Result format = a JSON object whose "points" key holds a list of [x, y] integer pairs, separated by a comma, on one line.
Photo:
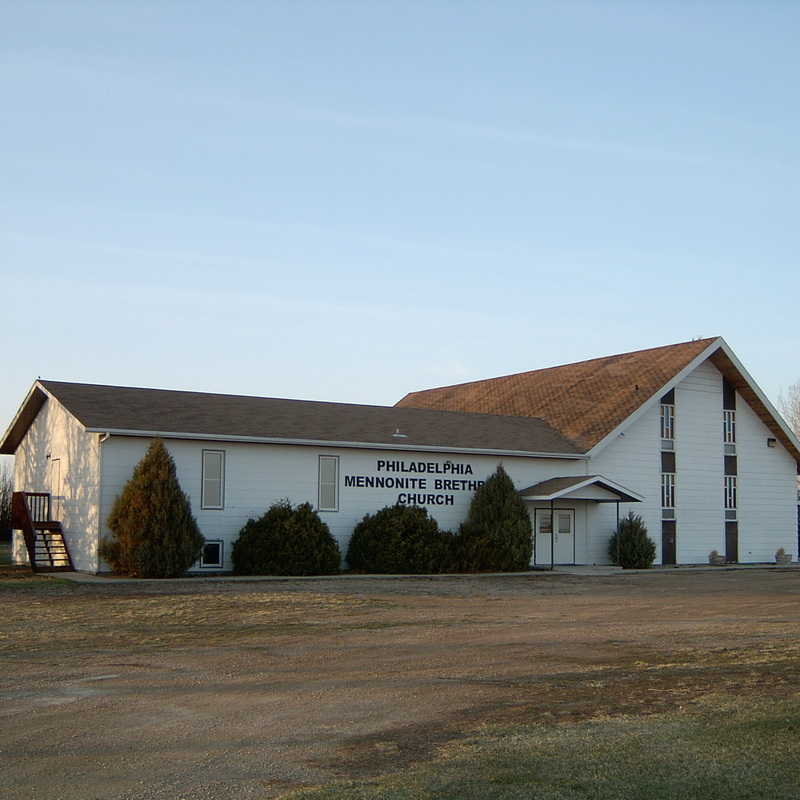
{"points": [[221, 544], [203, 505], [319, 484]]}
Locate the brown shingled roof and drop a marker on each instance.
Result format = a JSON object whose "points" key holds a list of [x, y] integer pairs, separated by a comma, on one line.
{"points": [[585, 401], [169, 412]]}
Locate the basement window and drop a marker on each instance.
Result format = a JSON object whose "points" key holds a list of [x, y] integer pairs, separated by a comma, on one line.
{"points": [[212, 554]]}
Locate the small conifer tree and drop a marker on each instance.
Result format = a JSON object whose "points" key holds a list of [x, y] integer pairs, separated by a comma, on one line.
{"points": [[636, 549], [154, 532], [497, 534]]}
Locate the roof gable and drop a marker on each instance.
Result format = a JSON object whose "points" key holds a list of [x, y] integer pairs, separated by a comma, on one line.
{"points": [[586, 401]]}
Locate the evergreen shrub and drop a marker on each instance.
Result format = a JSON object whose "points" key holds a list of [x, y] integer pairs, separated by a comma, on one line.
{"points": [[400, 539], [286, 540], [154, 534], [636, 549], [497, 534]]}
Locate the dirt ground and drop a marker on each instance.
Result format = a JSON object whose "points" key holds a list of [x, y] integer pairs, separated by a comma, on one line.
{"points": [[247, 690]]}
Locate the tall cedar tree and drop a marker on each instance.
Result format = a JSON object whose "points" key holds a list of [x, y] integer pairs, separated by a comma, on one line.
{"points": [[497, 533], [155, 534]]}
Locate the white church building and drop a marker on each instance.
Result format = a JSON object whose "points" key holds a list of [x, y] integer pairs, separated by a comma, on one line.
{"points": [[680, 434]]}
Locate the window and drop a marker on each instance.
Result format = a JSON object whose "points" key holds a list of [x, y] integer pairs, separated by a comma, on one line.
{"points": [[545, 522], [668, 495], [328, 483], [213, 492], [731, 491], [667, 425], [729, 431], [212, 554]]}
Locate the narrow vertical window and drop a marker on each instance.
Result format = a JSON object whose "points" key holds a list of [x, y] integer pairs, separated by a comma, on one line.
{"points": [[213, 491], [731, 490], [668, 495], [329, 483], [667, 426], [729, 427]]}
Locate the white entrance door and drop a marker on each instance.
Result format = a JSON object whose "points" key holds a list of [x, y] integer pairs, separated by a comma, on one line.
{"points": [[562, 536]]}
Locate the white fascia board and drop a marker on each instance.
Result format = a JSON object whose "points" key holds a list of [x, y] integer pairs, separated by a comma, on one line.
{"points": [[777, 416], [19, 412], [210, 437], [656, 396]]}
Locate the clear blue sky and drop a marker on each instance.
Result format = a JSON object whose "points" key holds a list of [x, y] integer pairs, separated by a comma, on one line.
{"points": [[348, 201]]}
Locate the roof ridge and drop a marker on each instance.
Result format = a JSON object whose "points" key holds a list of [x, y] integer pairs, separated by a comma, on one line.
{"points": [[328, 403]]}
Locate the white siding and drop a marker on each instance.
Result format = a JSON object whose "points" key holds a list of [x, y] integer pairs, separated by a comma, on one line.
{"points": [[633, 460], [55, 432], [767, 490], [700, 465], [257, 475], [767, 510]]}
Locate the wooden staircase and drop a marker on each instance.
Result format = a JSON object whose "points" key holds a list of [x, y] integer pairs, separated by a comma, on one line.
{"points": [[44, 537]]}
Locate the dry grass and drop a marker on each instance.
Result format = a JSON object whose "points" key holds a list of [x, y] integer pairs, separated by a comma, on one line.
{"points": [[657, 686]]}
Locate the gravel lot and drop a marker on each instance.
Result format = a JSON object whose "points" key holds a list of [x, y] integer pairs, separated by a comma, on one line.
{"points": [[247, 690]]}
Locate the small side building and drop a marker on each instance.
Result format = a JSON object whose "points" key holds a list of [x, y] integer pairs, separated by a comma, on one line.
{"points": [[681, 434]]}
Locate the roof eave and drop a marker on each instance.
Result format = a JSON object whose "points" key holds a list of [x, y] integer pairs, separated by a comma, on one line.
{"points": [[23, 419], [210, 437]]}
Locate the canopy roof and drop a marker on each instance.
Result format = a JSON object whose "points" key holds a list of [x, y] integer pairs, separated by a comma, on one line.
{"points": [[581, 487]]}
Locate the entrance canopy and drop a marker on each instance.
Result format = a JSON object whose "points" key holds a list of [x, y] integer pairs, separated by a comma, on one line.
{"points": [[581, 487]]}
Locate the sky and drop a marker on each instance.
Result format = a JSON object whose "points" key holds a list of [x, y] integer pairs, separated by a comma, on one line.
{"points": [[350, 201]]}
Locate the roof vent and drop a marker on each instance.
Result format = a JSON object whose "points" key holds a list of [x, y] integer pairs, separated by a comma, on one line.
{"points": [[398, 435]]}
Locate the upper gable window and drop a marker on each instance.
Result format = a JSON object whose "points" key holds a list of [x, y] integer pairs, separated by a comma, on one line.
{"points": [[213, 480], [667, 424], [729, 428]]}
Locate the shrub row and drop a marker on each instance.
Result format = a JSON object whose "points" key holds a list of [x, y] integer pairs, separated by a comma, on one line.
{"points": [[495, 536], [156, 535]]}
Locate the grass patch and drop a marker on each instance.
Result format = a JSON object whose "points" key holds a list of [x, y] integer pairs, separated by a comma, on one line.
{"points": [[730, 749]]}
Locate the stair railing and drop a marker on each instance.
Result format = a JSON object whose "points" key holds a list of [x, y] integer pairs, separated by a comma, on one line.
{"points": [[21, 520]]}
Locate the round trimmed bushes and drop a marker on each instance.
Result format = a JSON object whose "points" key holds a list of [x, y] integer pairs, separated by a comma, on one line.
{"points": [[286, 540], [400, 539], [636, 549]]}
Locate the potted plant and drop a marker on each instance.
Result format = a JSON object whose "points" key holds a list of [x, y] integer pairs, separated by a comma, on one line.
{"points": [[782, 557]]}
